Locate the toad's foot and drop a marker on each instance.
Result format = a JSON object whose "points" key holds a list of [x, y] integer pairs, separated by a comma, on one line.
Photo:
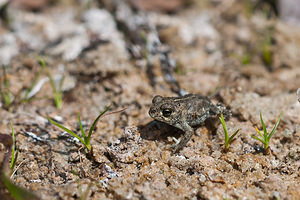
{"points": [[184, 140]]}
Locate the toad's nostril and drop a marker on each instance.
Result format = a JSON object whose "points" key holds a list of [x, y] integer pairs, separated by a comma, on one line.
{"points": [[152, 112]]}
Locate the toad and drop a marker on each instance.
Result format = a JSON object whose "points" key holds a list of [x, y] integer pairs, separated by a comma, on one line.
{"points": [[185, 113]]}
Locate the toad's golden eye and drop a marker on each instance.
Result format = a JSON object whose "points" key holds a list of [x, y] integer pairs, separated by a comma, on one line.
{"points": [[167, 112]]}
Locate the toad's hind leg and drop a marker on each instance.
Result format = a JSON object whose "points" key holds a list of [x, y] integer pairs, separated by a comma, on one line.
{"points": [[188, 133]]}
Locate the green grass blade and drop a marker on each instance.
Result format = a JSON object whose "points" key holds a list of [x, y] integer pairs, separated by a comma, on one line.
{"points": [[264, 126], [15, 161], [258, 139], [225, 128], [275, 127], [57, 99], [51, 81], [5, 93], [5, 81], [13, 158], [81, 128], [95, 122], [33, 84], [41, 61], [7, 99], [266, 145], [67, 130], [58, 95], [231, 137], [17, 192], [61, 84], [44, 65]]}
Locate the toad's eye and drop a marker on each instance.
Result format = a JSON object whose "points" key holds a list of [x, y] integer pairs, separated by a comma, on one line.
{"points": [[167, 112]]}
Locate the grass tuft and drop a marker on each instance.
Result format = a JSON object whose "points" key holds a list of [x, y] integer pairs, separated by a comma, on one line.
{"points": [[6, 96], [228, 139], [8, 99], [265, 136], [86, 138], [14, 152], [56, 91], [27, 97]]}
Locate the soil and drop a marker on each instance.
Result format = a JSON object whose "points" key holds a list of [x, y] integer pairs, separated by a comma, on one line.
{"points": [[247, 59]]}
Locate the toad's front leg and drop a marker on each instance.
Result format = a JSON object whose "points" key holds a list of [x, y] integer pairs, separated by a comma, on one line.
{"points": [[188, 133]]}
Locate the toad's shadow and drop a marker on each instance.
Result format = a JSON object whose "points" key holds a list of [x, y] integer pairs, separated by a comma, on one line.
{"points": [[156, 130]]}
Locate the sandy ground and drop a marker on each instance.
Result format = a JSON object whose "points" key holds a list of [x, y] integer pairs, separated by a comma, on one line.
{"points": [[245, 55]]}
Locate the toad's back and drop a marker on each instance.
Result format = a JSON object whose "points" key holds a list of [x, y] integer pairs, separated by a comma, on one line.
{"points": [[197, 108]]}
